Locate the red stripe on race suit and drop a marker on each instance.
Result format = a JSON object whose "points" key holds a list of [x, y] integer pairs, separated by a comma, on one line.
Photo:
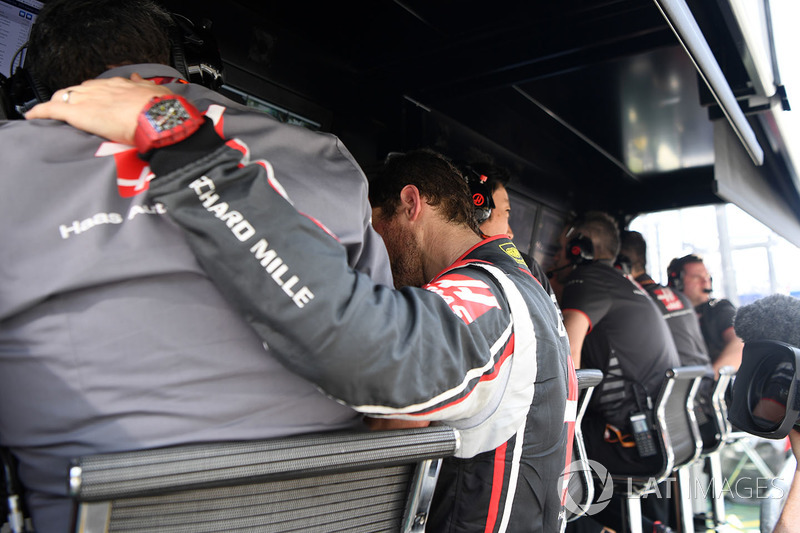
{"points": [[497, 487], [572, 397], [507, 351]]}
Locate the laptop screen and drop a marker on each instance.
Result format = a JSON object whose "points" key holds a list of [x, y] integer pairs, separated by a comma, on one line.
{"points": [[16, 19]]}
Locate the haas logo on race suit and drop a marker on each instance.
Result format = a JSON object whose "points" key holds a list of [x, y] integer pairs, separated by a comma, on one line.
{"points": [[668, 299], [133, 174], [468, 298]]}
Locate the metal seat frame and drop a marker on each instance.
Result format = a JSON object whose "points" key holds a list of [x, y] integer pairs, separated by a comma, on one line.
{"points": [[580, 484], [677, 424]]}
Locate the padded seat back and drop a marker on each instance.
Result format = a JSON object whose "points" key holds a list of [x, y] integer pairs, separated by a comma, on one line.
{"points": [[354, 481], [676, 417]]}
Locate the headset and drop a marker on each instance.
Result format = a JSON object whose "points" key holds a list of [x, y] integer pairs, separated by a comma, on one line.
{"points": [[193, 53], [482, 199], [579, 249], [623, 263], [675, 270]]}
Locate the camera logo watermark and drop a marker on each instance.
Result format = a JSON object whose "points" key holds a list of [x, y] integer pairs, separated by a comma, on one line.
{"points": [[586, 472], [579, 473]]}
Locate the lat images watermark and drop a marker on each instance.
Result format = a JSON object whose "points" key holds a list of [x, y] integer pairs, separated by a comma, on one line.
{"points": [[579, 472]]}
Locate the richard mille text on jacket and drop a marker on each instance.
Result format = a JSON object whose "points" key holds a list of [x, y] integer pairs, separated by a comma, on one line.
{"points": [[244, 231]]}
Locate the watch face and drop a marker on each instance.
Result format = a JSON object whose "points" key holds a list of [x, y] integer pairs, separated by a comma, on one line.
{"points": [[166, 115]]}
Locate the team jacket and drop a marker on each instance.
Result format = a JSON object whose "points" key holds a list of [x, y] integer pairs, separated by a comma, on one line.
{"points": [[480, 348], [111, 335], [681, 319]]}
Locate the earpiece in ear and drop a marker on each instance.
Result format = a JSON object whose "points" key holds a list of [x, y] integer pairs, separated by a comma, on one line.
{"points": [[481, 194], [580, 250]]}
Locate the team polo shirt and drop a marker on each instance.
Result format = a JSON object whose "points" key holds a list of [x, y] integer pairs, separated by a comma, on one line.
{"points": [[628, 338]]}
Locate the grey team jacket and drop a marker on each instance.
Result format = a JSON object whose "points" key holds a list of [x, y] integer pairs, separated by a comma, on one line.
{"points": [[111, 335], [482, 349]]}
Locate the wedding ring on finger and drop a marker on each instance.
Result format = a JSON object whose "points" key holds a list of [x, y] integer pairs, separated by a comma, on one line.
{"points": [[65, 97]]}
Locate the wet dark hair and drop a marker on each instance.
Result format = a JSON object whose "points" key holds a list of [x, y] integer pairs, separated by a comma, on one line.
{"points": [[439, 182], [76, 40]]}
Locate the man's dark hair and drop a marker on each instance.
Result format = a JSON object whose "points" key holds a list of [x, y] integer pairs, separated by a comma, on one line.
{"points": [[634, 247], [439, 182], [676, 266], [76, 40], [602, 229]]}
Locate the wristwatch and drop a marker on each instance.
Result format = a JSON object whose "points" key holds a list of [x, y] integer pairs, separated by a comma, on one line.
{"points": [[166, 120]]}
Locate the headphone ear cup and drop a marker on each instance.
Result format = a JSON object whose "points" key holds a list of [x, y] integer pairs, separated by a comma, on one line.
{"points": [[675, 279], [40, 92], [482, 199], [177, 54], [580, 250], [22, 91]]}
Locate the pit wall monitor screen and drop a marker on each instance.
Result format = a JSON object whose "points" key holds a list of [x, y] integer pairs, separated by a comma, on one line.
{"points": [[16, 19]]}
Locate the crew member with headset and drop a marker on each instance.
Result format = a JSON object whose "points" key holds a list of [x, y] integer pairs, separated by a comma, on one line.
{"points": [[613, 325], [493, 207], [683, 324], [689, 275]]}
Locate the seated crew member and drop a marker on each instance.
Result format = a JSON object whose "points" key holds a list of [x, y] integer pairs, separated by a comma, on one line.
{"points": [[689, 275], [674, 305], [614, 326], [111, 336], [442, 353], [683, 325]]}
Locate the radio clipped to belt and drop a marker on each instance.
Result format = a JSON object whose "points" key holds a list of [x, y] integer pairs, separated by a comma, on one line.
{"points": [[640, 421]]}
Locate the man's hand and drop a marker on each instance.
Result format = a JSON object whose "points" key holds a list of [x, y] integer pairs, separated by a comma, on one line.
{"points": [[794, 438], [384, 424], [108, 108]]}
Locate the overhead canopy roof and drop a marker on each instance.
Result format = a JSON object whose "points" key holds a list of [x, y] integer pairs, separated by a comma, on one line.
{"points": [[590, 103]]}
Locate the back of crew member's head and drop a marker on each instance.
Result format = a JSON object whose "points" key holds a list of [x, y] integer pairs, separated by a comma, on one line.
{"points": [[76, 40], [634, 247], [439, 182], [496, 176], [602, 229]]}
